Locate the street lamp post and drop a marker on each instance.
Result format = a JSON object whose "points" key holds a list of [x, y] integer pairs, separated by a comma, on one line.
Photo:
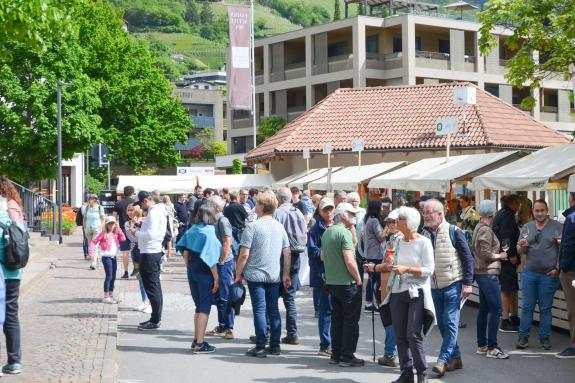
{"points": [[59, 123]]}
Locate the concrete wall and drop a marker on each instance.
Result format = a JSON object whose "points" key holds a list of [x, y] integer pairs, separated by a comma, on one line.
{"points": [[205, 100]]}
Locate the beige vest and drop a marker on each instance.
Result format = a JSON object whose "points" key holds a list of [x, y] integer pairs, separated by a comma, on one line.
{"points": [[448, 268]]}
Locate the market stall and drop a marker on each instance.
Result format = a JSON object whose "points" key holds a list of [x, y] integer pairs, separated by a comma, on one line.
{"points": [[302, 182], [351, 177], [285, 181]]}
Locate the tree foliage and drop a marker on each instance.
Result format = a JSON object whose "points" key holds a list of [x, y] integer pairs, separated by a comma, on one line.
{"points": [[269, 127], [336, 11], [120, 96], [192, 16], [298, 12], [543, 26], [207, 15], [237, 166]]}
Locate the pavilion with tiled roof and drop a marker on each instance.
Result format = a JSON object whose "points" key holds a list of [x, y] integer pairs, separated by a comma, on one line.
{"points": [[397, 123]]}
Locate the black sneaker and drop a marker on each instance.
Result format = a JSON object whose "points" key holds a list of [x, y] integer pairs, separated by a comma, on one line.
{"points": [[204, 348], [515, 321], [353, 362], [568, 353], [506, 326], [144, 322], [290, 340], [125, 276], [405, 377], [422, 377], [334, 359], [522, 342], [147, 326], [545, 343], [254, 339], [274, 350], [257, 352], [369, 308]]}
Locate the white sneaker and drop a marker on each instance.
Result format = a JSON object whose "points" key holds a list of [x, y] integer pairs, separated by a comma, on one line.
{"points": [[148, 309], [142, 307], [496, 353]]}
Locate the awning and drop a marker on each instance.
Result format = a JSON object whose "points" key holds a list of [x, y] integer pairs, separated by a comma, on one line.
{"points": [[532, 172], [181, 184], [236, 181], [348, 178], [302, 182], [285, 181], [436, 174], [164, 184]]}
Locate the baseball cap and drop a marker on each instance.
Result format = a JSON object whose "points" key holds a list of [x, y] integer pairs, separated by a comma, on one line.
{"points": [[343, 207], [394, 214], [110, 219], [142, 195], [326, 202]]}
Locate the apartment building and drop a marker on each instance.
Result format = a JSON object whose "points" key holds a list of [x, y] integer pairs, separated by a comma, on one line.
{"points": [[295, 70]]}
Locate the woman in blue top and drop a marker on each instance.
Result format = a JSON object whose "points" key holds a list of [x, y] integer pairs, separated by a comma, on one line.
{"points": [[201, 250], [10, 200]]}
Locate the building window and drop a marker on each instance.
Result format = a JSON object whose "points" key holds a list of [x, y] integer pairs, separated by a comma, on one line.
{"points": [[372, 44], [493, 89], [337, 49], [444, 46], [397, 45], [239, 144], [417, 43]]}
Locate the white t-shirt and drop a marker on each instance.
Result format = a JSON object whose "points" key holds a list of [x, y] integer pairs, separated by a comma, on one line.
{"points": [[415, 253], [112, 251]]}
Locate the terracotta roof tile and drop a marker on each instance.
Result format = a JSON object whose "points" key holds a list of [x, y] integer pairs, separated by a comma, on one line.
{"points": [[403, 118]]}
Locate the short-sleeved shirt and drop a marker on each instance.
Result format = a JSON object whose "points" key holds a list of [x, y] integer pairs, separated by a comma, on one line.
{"points": [[542, 250], [121, 208], [223, 230], [266, 240], [335, 240], [373, 248], [94, 216]]}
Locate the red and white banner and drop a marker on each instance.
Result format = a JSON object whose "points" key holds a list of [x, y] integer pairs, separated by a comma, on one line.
{"points": [[239, 57]]}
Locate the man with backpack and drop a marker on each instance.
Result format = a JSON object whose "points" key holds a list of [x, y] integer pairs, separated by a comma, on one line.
{"points": [[294, 224], [451, 281]]}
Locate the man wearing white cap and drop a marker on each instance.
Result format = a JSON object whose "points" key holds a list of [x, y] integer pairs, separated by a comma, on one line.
{"points": [[343, 280]]}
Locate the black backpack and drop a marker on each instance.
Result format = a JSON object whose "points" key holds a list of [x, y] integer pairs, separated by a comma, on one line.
{"points": [[17, 249], [79, 218]]}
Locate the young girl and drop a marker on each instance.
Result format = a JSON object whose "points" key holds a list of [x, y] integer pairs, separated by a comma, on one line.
{"points": [[109, 241]]}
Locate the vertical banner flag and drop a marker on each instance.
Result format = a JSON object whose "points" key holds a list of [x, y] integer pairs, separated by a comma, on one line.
{"points": [[239, 57]]}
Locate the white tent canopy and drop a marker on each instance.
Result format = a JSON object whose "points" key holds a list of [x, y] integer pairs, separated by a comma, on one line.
{"points": [[285, 181], [532, 172], [180, 184], [302, 182], [436, 174], [350, 177]]}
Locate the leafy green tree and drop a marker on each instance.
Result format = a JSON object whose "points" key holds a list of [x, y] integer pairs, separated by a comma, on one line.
{"points": [[269, 127], [237, 166], [207, 15], [543, 26], [360, 9], [192, 16], [336, 11]]}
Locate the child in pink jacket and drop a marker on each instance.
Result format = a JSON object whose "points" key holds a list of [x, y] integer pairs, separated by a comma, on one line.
{"points": [[109, 241]]}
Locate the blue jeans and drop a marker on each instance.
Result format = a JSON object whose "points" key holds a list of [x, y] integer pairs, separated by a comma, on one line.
{"points": [[446, 302], [489, 310], [324, 318], [537, 289], [317, 291], [110, 267], [264, 298], [226, 276], [390, 342], [288, 295]]}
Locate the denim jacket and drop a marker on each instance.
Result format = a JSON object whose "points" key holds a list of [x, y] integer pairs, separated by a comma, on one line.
{"points": [[316, 268]]}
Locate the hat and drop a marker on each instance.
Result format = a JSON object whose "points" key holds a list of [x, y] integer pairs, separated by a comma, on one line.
{"points": [[142, 195], [236, 298], [110, 219], [326, 202], [394, 214], [343, 207]]}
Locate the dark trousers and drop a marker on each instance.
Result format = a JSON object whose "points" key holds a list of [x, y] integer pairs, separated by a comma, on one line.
{"points": [[110, 267], [85, 244], [12, 323], [346, 303], [288, 295], [373, 288], [150, 274], [407, 318]]}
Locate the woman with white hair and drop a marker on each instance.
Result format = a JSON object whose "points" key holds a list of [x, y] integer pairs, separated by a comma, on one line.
{"points": [[410, 302], [486, 270]]}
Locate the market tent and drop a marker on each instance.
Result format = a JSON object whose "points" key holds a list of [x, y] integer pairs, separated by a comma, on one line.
{"points": [[165, 184], [302, 182], [285, 181], [236, 181], [350, 177], [181, 184], [533, 172], [437, 174]]}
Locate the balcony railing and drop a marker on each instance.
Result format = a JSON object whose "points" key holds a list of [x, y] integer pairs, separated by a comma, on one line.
{"points": [[435, 60], [40, 212], [340, 63], [204, 121], [295, 70], [259, 79], [384, 61]]}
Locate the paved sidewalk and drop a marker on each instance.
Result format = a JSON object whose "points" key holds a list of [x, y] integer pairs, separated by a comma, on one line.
{"points": [[165, 356], [65, 327]]}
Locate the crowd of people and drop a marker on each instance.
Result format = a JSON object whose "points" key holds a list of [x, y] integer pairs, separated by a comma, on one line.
{"points": [[421, 260]]}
